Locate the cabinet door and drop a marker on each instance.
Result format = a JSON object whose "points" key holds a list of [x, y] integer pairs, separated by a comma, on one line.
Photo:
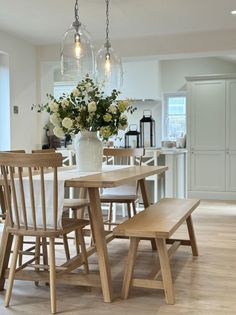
{"points": [[207, 115], [231, 170], [208, 170], [231, 115]]}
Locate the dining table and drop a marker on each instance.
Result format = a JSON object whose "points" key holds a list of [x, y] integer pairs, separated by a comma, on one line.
{"points": [[93, 183]]}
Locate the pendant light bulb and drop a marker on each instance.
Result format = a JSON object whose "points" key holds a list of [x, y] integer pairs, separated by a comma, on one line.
{"points": [[77, 46], [108, 64]]}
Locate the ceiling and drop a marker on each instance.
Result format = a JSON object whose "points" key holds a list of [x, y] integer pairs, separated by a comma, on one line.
{"points": [[44, 22]]}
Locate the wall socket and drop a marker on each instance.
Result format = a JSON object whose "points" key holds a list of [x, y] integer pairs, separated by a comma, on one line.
{"points": [[15, 109]]}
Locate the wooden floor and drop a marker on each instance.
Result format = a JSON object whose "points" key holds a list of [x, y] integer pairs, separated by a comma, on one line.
{"points": [[205, 285]]}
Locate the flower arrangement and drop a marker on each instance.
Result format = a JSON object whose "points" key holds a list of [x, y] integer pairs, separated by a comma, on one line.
{"points": [[87, 108]]}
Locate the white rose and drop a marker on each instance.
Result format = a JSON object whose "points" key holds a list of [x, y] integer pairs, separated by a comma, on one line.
{"points": [[92, 107], [75, 92], [107, 117], [67, 122], [112, 109], [122, 105], [58, 132], [54, 119], [53, 107], [65, 103], [105, 132], [88, 87]]}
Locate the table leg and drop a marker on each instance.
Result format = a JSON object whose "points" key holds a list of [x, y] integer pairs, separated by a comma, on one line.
{"points": [[143, 187], [146, 203], [99, 235], [5, 250]]}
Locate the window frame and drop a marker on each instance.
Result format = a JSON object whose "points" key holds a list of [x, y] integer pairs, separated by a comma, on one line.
{"points": [[166, 96]]}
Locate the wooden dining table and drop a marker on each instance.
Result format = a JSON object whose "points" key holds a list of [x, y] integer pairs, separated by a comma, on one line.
{"points": [[93, 183]]}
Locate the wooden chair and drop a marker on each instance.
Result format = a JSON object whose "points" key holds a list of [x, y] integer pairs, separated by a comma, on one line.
{"points": [[77, 205], [2, 195], [125, 194], [74, 204], [29, 215]]}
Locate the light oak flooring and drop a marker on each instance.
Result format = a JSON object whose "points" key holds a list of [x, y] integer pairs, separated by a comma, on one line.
{"points": [[205, 285]]}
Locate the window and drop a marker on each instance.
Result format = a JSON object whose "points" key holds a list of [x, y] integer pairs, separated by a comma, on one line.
{"points": [[174, 115]]}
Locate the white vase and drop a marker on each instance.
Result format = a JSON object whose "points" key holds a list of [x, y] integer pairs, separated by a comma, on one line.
{"points": [[89, 152]]}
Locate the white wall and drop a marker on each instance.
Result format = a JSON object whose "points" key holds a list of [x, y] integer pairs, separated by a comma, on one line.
{"points": [[22, 66], [175, 71], [5, 130]]}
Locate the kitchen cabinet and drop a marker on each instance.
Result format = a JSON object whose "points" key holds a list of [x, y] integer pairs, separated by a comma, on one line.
{"points": [[231, 171], [211, 121], [207, 170], [174, 185], [141, 79], [207, 120]]}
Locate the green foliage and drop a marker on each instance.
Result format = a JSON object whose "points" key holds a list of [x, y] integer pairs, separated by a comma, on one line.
{"points": [[87, 108]]}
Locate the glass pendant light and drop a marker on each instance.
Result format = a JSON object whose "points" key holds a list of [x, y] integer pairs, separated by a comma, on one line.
{"points": [[108, 64], [77, 57]]}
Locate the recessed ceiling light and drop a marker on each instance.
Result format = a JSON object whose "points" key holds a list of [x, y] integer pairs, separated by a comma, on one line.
{"points": [[233, 12]]}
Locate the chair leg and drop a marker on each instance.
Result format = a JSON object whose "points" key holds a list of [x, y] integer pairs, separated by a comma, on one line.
{"points": [[21, 250], [37, 255], [134, 207], [129, 210], [110, 215], [12, 269], [45, 251], [165, 271], [83, 250], [66, 246], [77, 242], [52, 271], [128, 274]]}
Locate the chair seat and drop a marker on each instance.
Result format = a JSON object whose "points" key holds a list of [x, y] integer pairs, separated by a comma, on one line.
{"points": [[68, 225], [118, 198], [76, 203]]}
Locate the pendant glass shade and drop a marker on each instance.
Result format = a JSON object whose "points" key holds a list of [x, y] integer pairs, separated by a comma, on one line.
{"points": [[77, 57], [109, 69]]}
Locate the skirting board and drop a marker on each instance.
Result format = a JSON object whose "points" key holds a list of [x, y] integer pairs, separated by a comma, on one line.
{"points": [[213, 195]]}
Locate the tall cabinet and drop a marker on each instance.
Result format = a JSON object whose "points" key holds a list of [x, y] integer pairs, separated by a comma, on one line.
{"points": [[211, 136]]}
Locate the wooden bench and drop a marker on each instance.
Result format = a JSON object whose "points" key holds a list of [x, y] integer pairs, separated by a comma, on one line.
{"points": [[158, 222]]}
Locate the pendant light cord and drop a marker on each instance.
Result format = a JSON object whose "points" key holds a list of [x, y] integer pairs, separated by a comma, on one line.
{"points": [[76, 23], [76, 11], [107, 43]]}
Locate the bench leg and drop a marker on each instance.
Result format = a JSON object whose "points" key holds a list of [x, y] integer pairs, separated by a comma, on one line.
{"points": [[128, 274], [192, 236], [165, 271]]}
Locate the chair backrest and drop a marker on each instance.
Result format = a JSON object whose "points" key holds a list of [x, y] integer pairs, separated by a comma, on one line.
{"points": [[124, 156], [27, 196], [16, 151], [44, 151]]}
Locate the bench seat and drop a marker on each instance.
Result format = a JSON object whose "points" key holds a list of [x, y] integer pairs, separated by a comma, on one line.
{"points": [[159, 222]]}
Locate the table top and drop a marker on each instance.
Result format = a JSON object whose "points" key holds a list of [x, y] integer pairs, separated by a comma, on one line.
{"points": [[115, 178], [111, 178]]}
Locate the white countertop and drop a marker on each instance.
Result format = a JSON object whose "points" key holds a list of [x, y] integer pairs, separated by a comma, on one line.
{"points": [[166, 150]]}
